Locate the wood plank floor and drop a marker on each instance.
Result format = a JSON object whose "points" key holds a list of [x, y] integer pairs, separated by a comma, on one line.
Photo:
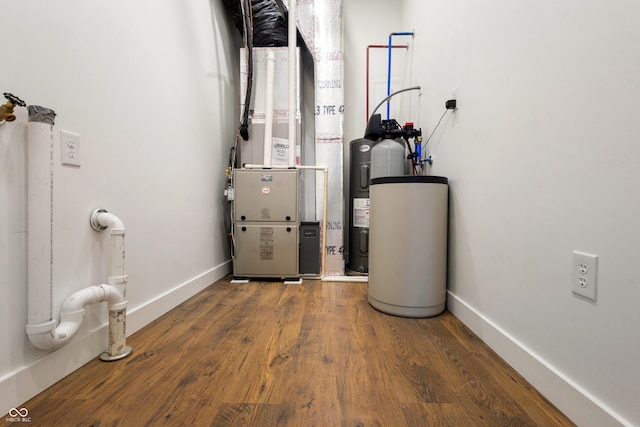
{"points": [[316, 354]]}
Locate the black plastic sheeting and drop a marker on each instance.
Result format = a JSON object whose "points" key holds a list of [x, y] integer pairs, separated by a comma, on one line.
{"points": [[268, 22]]}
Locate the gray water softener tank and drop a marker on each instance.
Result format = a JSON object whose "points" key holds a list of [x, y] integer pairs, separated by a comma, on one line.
{"points": [[359, 177], [388, 158], [408, 221]]}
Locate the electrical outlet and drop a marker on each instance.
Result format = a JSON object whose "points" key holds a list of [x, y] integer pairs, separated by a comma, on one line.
{"points": [[584, 274], [70, 148]]}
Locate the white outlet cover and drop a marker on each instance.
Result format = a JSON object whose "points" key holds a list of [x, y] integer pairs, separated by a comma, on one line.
{"points": [[69, 148], [584, 276]]}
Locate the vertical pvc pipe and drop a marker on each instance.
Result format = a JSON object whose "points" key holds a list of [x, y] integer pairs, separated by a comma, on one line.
{"points": [[117, 256], [39, 223], [117, 276], [292, 81], [117, 345], [268, 115]]}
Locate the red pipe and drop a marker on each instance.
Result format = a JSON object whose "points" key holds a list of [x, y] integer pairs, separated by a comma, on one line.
{"points": [[377, 46]]}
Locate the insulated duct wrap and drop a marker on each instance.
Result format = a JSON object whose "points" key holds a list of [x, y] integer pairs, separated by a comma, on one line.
{"points": [[268, 21], [320, 24]]}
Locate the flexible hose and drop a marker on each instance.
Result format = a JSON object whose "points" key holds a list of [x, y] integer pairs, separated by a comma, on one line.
{"points": [[391, 96]]}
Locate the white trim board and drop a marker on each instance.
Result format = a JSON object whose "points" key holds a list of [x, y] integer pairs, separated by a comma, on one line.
{"points": [[575, 402], [21, 385]]}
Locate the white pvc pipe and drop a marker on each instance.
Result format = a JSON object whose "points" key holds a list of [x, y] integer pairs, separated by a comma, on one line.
{"points": [[117, 230], [47, 336], [292, 39], [72, 315], [252, 166], [39, 224], [268, 114], [117, 348], [43, 331]]}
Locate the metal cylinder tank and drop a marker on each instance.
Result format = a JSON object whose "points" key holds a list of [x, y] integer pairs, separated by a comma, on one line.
{"points": [[388, 158], [359, 176], [408, 250]]}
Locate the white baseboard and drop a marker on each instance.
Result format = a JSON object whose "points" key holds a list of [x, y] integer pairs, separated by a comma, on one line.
{"points": [[21, 385], [575, 402], [140, 316]]}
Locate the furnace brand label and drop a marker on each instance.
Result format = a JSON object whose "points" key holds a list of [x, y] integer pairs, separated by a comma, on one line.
{"points": [[280, 152]]}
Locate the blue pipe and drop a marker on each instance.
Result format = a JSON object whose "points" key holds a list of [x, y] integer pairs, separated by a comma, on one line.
{"points": [[389, 76], [401, 33]]}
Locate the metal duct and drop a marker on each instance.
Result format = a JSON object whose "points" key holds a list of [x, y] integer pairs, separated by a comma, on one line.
{"points": [[320, 24]]}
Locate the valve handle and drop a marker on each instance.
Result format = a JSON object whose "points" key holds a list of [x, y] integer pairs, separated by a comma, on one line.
{"points": [[14, 99]]}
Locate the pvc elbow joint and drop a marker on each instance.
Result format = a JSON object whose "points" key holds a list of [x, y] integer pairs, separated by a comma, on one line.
{"points": [[101, 219], [48, 336]]}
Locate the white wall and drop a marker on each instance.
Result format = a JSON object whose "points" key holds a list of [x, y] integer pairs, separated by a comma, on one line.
{"points": [[364, 25], [541, 157], [152, 89]]}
